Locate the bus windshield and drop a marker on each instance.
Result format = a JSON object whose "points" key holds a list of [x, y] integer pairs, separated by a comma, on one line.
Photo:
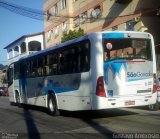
{"points": [[129, 48]]}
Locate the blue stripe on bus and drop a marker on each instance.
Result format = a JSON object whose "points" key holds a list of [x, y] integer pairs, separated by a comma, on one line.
{"points": [[112, 35], [136, 79]]}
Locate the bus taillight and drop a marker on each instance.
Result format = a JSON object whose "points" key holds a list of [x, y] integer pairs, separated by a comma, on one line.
{"points": [[158, 88], [154, 83], [100, 91]]}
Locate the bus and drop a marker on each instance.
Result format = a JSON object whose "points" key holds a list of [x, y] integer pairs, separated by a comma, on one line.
{"points": [[156, 106], [98, 71]]}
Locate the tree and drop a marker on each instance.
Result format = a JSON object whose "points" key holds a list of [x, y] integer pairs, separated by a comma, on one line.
{"points": [[1, 66], [72, 35]]}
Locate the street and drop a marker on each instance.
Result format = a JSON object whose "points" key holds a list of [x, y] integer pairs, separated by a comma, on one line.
{"points": [[31, 122]]}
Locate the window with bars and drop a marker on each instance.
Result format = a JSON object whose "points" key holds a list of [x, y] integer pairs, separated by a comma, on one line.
{"points": [[63, 4], [55, 9]]}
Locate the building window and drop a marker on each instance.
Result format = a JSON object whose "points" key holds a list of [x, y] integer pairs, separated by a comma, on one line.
{"points": [[76, 21], [75, 0], [10, 54], [34, 46], [64, 27], [130, 25], [55, 8], [114, 28], [57, 31], [16, 51], [48, 15], [63, 4], [84, 17], [23, 47], [96, 13], [49, 35]]}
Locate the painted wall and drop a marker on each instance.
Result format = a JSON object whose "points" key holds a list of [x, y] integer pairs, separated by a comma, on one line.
{"points": [[113, 16]]}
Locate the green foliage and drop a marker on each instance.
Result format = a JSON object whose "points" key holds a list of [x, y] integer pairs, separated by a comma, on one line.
{"points": [[72, 35], [2, 66]]}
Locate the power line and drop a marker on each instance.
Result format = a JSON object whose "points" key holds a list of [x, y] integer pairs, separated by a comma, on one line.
{"points": [[24, 11], [39, 15]]}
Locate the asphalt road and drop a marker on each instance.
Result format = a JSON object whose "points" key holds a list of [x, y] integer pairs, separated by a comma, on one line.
{"points": [[31, 122]]}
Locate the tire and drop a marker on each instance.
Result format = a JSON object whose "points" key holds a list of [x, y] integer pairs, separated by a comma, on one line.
{"points": [[52, 106], [154, 107], [18, 100]]}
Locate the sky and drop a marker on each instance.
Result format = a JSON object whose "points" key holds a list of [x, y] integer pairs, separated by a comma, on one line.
{"points": [[13, 26]]}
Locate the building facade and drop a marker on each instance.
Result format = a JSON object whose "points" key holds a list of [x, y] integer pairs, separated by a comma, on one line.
{"points": [[100, 15], [25, 45]]}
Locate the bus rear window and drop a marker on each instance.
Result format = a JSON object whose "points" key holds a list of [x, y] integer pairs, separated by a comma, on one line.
{"points": [[127, 49]]}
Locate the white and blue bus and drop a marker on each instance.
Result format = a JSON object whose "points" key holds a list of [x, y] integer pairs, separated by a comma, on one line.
{"points": [[98, 71]]}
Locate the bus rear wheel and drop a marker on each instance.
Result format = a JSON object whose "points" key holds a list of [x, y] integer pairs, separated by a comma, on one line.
{"points": [[17, 99], [154, 107], [52, 105]]}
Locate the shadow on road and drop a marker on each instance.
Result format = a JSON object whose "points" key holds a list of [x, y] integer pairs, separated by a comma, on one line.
{"points": [[33, 132], [89, 117], [141, 108], [97, 113], [95, 128]]}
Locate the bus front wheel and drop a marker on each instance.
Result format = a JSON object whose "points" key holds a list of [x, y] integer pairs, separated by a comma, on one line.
{"points": [[154, 107], [17, 99], [52, 105]]}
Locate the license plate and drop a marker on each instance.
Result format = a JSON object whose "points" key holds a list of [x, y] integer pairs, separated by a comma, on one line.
{"points": [[129, 102]]}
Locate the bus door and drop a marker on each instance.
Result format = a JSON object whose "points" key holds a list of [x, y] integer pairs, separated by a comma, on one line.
{"points": [[10, 80]]}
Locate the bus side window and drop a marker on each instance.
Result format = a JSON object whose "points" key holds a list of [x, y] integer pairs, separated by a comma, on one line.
{"points": [[22, 70], [72, 60], [52, 63], [46, 70], [16, 71], [40, 66], [68, 61], [77, 59], [84, 62], [34, 68], [54, 66], [45, 66], [60, 63], [28, 68], [50, 60]]}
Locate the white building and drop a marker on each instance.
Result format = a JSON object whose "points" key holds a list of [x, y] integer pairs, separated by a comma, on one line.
{"points": [[24, 46]]}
